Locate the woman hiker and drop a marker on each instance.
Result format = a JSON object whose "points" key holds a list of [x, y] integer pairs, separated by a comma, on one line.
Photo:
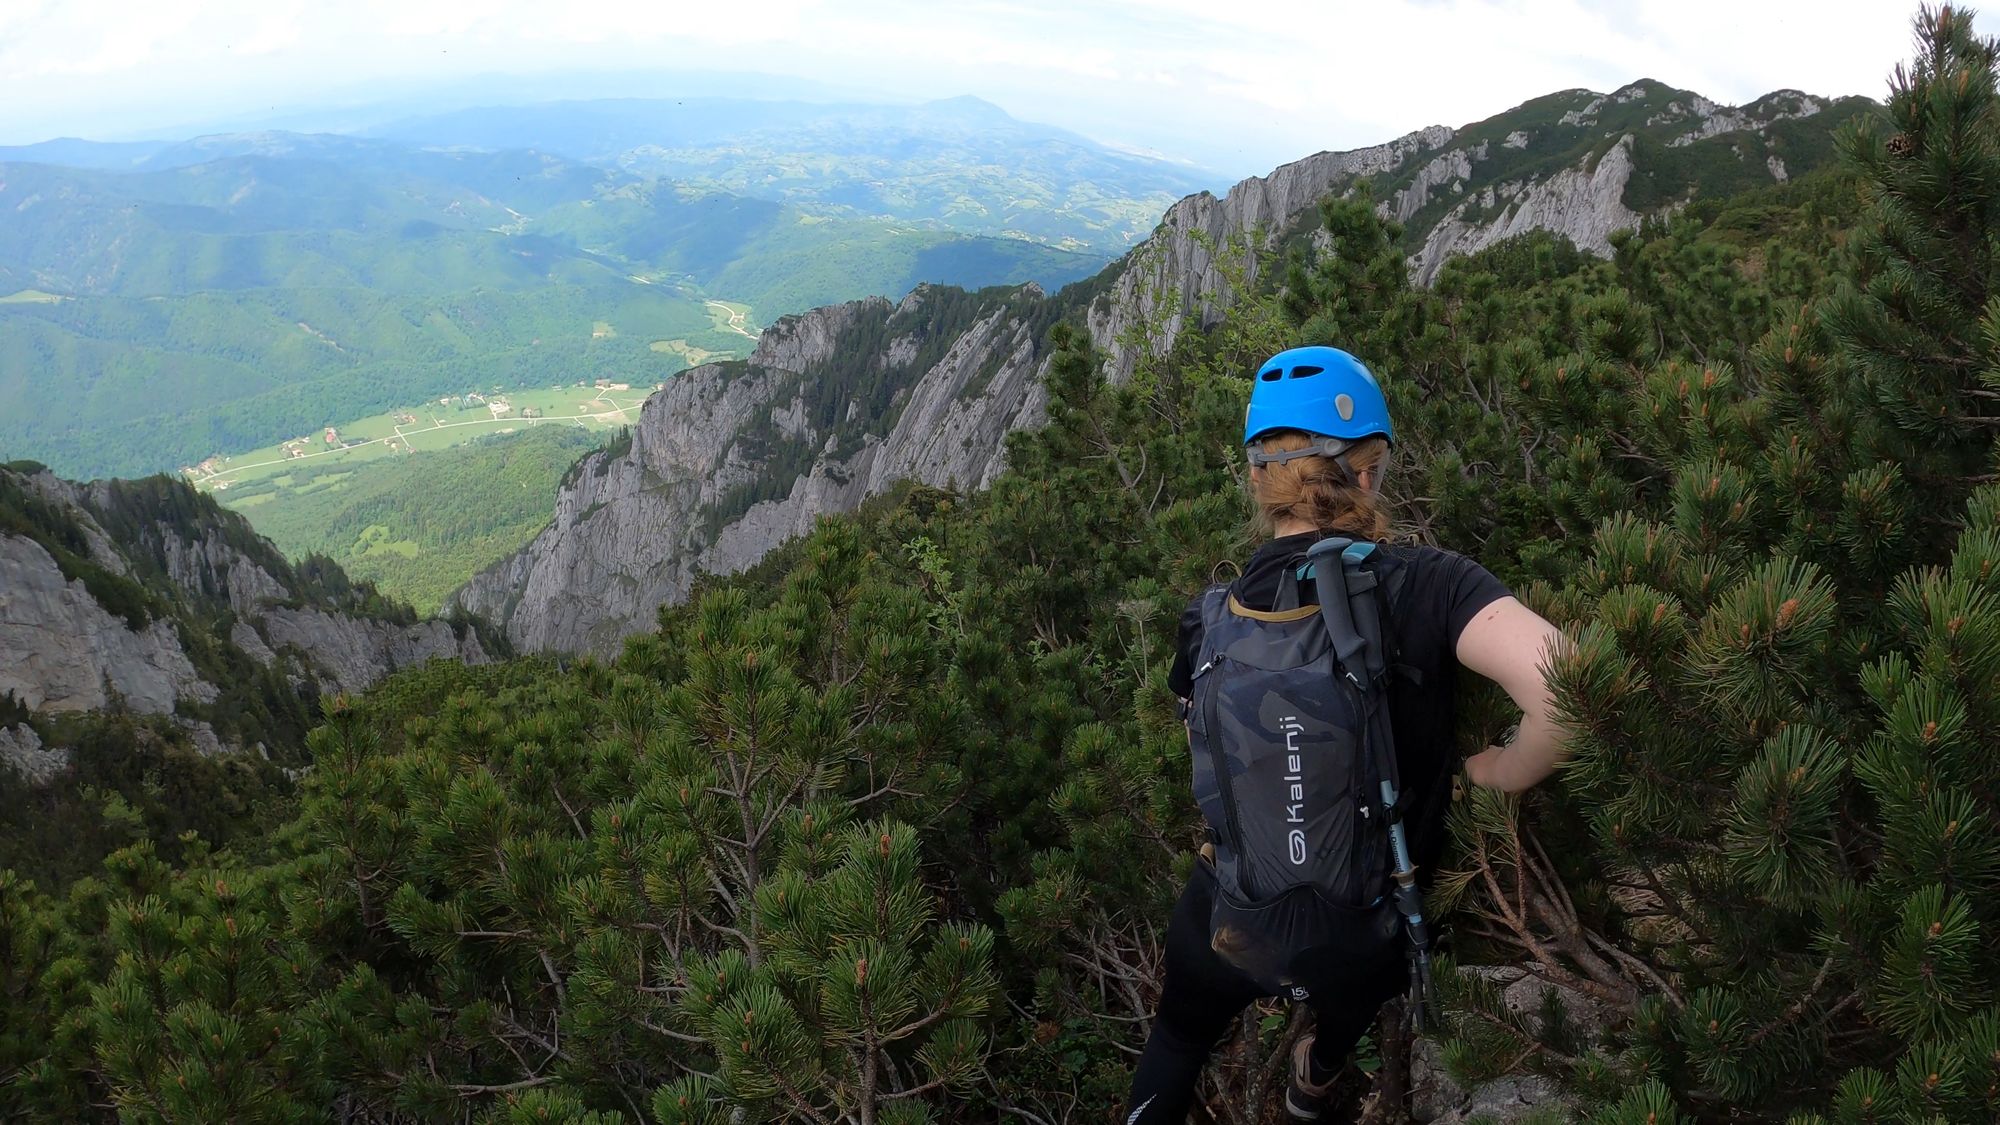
{"points": [[1318, 436]]}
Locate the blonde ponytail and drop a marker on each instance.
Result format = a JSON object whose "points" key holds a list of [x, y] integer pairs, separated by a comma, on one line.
{"points": [[1318, 491]]}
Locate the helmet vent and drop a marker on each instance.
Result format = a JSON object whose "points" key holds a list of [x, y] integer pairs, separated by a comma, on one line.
{"points": [[1302, 371], [1273, 375]]}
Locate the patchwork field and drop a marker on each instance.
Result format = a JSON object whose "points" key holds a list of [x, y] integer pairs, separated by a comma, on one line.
{"points": [[435, 425], [420, 498]]}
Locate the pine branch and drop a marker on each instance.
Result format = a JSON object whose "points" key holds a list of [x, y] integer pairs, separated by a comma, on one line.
{"points": [[1631, 961], [933, 1084], [1798, 1007], [750, 947], [670, 1033], [504, 1088], [555, 978], [556, 788]]}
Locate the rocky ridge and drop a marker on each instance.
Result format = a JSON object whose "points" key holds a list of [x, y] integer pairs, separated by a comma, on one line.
{"points": [[142, 594], [841, 403]]}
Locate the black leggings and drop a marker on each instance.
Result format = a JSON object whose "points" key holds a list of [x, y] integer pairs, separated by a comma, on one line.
{"points": [[1201, 997]]}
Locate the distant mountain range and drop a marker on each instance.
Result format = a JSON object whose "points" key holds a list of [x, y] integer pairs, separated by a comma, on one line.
{"points": [[961, 164]]}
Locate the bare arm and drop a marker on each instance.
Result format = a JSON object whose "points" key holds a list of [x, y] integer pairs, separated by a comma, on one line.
{"points": [[1509, 644]]}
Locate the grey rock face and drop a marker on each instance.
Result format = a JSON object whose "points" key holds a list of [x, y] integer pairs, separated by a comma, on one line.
{"points": [[1453, 166], [22, 750], [631, 532], [797, 342], [1585, 115], [210, 566], [1174, 278], [60, 651], [1438, 1099], [353, 653], [1584, 203]]}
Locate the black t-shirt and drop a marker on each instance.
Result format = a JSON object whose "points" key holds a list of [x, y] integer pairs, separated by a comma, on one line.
{"points": [[1439, 595]]}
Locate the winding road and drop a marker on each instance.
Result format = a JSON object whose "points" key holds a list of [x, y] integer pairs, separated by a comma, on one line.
{"points": [[735, 319]]}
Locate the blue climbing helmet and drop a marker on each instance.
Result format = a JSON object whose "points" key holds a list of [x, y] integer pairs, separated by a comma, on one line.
{"points": [[1318, 390]]}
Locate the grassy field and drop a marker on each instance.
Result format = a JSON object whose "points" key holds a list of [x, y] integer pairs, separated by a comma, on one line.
{"points": [[731, 316], [421, 497], [690, 354], [419, 524], [425, 428]]}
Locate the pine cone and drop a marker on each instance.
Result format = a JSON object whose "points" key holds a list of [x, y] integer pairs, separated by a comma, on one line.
{"points": [[1901, 146]]}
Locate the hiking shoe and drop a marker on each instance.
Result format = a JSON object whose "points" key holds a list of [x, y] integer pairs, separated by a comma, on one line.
{"points": [[1305, 1101]]}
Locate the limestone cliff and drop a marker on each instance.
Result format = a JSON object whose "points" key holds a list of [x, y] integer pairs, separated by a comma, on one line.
{"points": [[1176, 277], [839, 404], [1602, 164], [1585, 204], [146, 595], [730, 460]]}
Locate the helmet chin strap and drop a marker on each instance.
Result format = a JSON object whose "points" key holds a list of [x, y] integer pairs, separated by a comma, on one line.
{"points": [[1332, 448], [1322, 446]]}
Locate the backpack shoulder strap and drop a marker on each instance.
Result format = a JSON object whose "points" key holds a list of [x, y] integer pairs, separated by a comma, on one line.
{"points": [[1352, 604], [1214, 605], [1394, 579]]}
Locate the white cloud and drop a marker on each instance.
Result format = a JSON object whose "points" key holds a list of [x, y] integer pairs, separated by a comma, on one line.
{"points": [[1242, 84]]}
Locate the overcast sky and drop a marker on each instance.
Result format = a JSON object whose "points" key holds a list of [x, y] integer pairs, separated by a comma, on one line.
{"points": [[1239, 87]]}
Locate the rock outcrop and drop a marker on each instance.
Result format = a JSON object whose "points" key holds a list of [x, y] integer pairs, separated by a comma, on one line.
{"points": [[104, 586], [61, 651], [634, 528], [1177, 277], [1585, 198], [22, 750], [1436, 1098], [1584, 204]]}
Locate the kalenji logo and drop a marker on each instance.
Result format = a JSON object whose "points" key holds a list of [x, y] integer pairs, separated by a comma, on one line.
{"points": [[1295, 784]]}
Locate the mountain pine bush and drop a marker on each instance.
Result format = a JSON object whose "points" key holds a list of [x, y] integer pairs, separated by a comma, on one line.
{"points": [[886, 829]]}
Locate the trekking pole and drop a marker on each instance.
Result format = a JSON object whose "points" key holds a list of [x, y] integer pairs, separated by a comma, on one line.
{"points": [[1410, 903]]}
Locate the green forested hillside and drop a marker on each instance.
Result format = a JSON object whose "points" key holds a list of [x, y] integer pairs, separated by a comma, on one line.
{"points": [[886, 830], [241, 290], [420, 525], [109, 385]]}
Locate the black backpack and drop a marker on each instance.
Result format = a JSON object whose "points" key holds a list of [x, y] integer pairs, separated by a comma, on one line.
{"points": [[1295, 771]]}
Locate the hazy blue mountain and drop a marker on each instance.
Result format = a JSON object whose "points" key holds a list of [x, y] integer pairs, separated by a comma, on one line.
{"points": [[383, 101], [515, 177], [962, 163], [75, 152]]}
